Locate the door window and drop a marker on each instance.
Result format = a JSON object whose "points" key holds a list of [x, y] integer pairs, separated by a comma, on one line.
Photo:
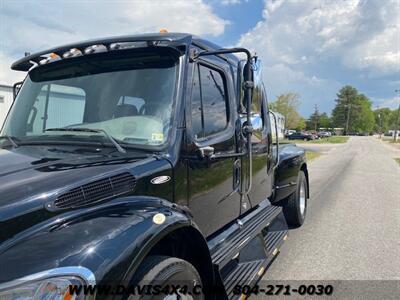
{"points": [[209, 102], [197, 107]]}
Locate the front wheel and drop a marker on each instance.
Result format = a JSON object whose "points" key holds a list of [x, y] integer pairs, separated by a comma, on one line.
{"points": [[295, 206], [162, 272]]}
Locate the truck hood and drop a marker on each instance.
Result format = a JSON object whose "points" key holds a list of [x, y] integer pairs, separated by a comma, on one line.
{"points": [[30, 177]]}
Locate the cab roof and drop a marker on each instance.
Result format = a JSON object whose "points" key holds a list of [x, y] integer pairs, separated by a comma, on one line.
{"points": [[180, 41]]}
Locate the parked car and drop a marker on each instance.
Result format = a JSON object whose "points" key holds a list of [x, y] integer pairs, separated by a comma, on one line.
{"points": [[289, 132], [324, 134], [301, 136], [315, 135]]}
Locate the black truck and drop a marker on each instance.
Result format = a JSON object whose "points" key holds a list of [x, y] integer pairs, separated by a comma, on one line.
{"points": [[146, 159]]}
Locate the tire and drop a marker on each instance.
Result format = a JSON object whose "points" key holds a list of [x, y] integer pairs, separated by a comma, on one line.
{"points": [[163, 271], [295, 206]]}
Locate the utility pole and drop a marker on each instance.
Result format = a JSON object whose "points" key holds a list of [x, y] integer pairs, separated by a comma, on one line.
{"points": [[348, 118], [348, 114], [380, 121], [316, 117], [398, 117]]}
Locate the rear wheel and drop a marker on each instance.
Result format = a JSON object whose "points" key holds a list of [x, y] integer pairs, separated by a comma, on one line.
{"points": [[295, 206], [166, 272]]}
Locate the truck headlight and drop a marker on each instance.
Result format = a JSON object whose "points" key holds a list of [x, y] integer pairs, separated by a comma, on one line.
{"points": [[48, 285]]}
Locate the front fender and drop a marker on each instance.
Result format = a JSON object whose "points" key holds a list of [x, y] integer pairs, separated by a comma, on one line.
{"points": [[106, 239]]}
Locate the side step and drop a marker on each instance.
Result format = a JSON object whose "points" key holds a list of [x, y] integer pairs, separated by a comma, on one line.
{"points": [[248, 273], [244, 251], [243, 274], [224, 248]]}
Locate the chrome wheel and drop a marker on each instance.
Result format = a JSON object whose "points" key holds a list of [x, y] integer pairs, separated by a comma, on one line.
{"points": [[302, 199]]}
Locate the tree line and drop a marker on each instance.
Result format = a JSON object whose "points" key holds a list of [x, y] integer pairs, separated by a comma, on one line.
{"points": [[352, 112]]}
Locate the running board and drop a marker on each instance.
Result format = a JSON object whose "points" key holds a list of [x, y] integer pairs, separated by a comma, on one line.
{"points": [[248, 273], [244, 251], [229, 243]]}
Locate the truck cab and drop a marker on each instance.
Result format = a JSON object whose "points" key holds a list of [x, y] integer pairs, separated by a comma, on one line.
{"points": [[143, 159]]}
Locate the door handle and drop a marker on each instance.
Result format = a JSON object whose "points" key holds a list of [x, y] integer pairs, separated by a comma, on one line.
{"points": [[206, 152], [277, 139]]}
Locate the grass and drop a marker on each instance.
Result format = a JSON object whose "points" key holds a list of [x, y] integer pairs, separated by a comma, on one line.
{"points": [[337, 139], [312, 155], [390, 139], [398, 160]]}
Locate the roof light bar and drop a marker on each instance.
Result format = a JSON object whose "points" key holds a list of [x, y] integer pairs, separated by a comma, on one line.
{"points": [[102, 45]]}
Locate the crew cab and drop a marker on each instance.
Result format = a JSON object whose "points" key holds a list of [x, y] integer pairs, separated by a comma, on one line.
{"points": [[146, 159]]}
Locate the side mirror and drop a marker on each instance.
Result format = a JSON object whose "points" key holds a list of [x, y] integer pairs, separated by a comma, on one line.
{"points": [[246, 80], [16, 88]]}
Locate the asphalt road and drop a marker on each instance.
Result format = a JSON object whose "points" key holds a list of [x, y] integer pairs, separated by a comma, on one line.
{"points": [[352, 229]]}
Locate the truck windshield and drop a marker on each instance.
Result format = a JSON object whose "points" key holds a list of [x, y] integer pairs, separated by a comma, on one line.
{"points": [[130, 96]]}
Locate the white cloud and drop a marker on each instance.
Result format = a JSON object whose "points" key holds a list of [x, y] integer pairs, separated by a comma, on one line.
{"points": [[392, 103], [360, 34], [230, 2], [300, 40], [7, 76], [36, 25]]}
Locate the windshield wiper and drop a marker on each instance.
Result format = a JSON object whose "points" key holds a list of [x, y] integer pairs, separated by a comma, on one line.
{"points": [[112, 140], [10, 139]]}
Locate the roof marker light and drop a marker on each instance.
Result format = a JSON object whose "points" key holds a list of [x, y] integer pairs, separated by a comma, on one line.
{"points": [[163, 30], [74, 52], [51, 57], [95, 49], [128, 45]]}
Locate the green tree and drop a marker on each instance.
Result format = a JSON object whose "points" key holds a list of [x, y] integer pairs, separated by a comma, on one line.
{"points": [[324, 121], [393, 120], [287, 105], [364, 120], [301, 124], [313, 121], [353, 111], [317, 121], [382, 119]]}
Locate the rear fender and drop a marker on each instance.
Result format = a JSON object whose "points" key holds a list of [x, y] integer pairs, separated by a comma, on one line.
{"points": [[292, 160]]}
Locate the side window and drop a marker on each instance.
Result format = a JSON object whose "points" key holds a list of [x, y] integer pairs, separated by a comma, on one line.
{"points": [[56, 106], [196, 106], [209, 102], [215, 113]]}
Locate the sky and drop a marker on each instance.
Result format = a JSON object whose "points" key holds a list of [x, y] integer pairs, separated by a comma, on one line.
{"points": [[311, 47]]}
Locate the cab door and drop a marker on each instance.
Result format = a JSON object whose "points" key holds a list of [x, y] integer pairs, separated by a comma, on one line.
{"points": [[213, 169]]}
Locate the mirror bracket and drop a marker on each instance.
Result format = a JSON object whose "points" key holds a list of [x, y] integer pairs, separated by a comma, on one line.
{"points": [[16, 88], [206, 152], [247, 129], [248, 85]]}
